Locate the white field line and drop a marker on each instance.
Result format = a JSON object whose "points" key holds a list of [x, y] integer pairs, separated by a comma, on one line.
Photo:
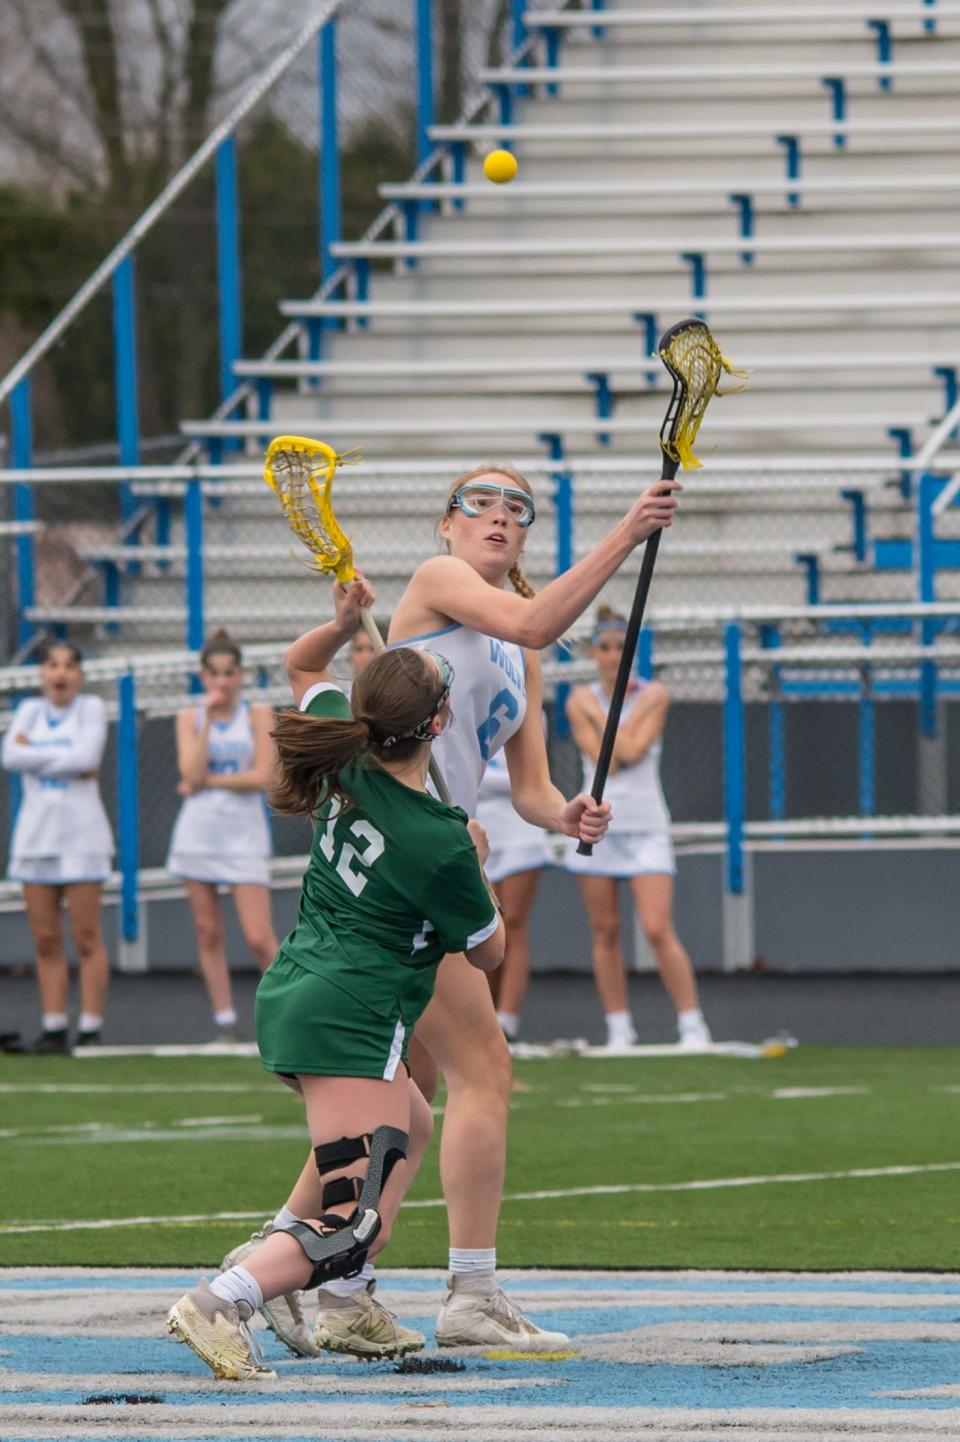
{"points": [[628, 1188]]}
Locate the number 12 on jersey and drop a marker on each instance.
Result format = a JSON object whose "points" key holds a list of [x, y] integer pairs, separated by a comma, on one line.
{"points": [[345, 857]]}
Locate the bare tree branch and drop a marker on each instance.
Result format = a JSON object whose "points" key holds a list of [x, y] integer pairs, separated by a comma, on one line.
{"points": [[98, 43], [199, 68]]}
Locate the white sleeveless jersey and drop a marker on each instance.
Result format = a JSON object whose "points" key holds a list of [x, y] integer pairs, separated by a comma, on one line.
{"points": [[61, 812], [224, 823], [488, 702], [634, 792]]}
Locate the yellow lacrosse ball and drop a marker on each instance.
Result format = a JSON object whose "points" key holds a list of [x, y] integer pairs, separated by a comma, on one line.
{"points": [[500, 166]]}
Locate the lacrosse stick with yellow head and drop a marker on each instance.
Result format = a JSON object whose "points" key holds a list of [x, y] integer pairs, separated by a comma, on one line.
{"points": [[695, 364], [300, 473]]}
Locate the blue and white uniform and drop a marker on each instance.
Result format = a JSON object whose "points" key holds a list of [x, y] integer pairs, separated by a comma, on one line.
{"points": [[638, 841], [223, 836], [62, 835], [488, 702], [515, 845]]}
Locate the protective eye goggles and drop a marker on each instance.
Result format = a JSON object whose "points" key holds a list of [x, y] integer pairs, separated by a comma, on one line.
{"points": [[422, 732], [475, 499]]}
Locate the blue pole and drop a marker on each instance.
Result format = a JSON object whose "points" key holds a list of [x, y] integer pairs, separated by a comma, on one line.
{"points": [[424, 77], [193, 518], [22, 456], [228, 264], [331, 221], [128, 839], [734, 769], [645, 654], [868, 737], [927, 492], [125, 371]]}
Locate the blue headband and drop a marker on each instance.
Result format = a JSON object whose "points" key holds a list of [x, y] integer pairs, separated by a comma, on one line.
{"points": [[614, 624]]}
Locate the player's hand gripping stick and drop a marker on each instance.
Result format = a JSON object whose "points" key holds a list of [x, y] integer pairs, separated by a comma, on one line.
{"points": [[695, 363]]}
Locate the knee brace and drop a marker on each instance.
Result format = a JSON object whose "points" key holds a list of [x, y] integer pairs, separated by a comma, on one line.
{"points": [[341, 1249]]}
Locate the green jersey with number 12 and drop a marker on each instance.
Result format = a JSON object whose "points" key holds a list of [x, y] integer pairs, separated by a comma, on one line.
{"points": [[392, 885]]}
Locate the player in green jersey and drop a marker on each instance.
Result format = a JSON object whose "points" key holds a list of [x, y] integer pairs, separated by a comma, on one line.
{"points": [[393, 884]]}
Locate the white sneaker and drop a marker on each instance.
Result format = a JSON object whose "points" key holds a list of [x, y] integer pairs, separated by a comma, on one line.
{"points": [[472, 1318], [217, 1331], [694, 1036], [284, 1315], [362, 1326]]}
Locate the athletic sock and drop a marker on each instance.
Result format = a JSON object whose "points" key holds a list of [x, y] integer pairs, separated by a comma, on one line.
{"points": [[473, 1269], [692, 1018], [54, 1021], [346, 1286], [89, 1021], [284, 1218], [620, 1029], [237, 1285], [509, 1024], [227, 1017]]}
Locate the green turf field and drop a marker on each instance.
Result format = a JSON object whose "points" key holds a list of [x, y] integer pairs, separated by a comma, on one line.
{"points": [[172, 1139]]}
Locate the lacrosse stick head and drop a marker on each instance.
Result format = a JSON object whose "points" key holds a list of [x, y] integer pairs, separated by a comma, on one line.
{"points": [[695, 363], [300, 473]]}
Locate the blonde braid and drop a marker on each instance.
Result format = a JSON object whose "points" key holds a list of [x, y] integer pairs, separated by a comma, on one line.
{"points": [[519, 582]]}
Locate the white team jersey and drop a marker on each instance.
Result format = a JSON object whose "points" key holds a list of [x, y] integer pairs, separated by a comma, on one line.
{"points": [[61, 811], [634, 792], [488, 702], [224, 823]]}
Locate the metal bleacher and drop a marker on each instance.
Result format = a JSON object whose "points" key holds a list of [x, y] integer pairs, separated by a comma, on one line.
{"points": [[788, 175]]}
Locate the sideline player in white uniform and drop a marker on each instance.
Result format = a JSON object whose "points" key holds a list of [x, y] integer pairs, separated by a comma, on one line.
{"points": [[518, 854], [62, 844], [638, 849], [221, 836]]}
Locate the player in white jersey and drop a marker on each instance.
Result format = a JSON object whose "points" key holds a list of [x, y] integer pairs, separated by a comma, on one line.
{"points": [[638, 849], [518, 854], [221, 836], [62, 844], [457, 604]]}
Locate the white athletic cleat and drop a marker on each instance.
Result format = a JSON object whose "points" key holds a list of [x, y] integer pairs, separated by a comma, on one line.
{"points": [[284, 1315], [218, 1332], [479, 1318], [694, 1036], [362, 1326]]}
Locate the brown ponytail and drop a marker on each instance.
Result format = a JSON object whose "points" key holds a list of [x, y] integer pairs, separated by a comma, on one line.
{"points": [[607, 613], [393, 696]]}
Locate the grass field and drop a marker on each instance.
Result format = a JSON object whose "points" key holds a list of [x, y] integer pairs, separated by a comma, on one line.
{"points": [[182, 1140]]}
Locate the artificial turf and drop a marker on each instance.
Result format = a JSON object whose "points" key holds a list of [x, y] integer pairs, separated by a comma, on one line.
{"points": [[221, 1136]]}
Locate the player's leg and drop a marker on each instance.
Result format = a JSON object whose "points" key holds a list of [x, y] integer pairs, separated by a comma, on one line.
{"points": [[460, 1030], [653, 898], [509, 982], [346, 1116], [42, 905], [600, 899], [84, 915], [208, 923], [343, 1316], [256, 922]]}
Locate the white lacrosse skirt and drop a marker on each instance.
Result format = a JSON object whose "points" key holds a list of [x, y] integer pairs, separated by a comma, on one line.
{"points": [[622, 854], [68, 869]]}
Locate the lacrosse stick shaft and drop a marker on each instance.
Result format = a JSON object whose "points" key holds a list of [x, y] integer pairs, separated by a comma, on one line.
{"points": [[585, 848], [379, 644]]}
